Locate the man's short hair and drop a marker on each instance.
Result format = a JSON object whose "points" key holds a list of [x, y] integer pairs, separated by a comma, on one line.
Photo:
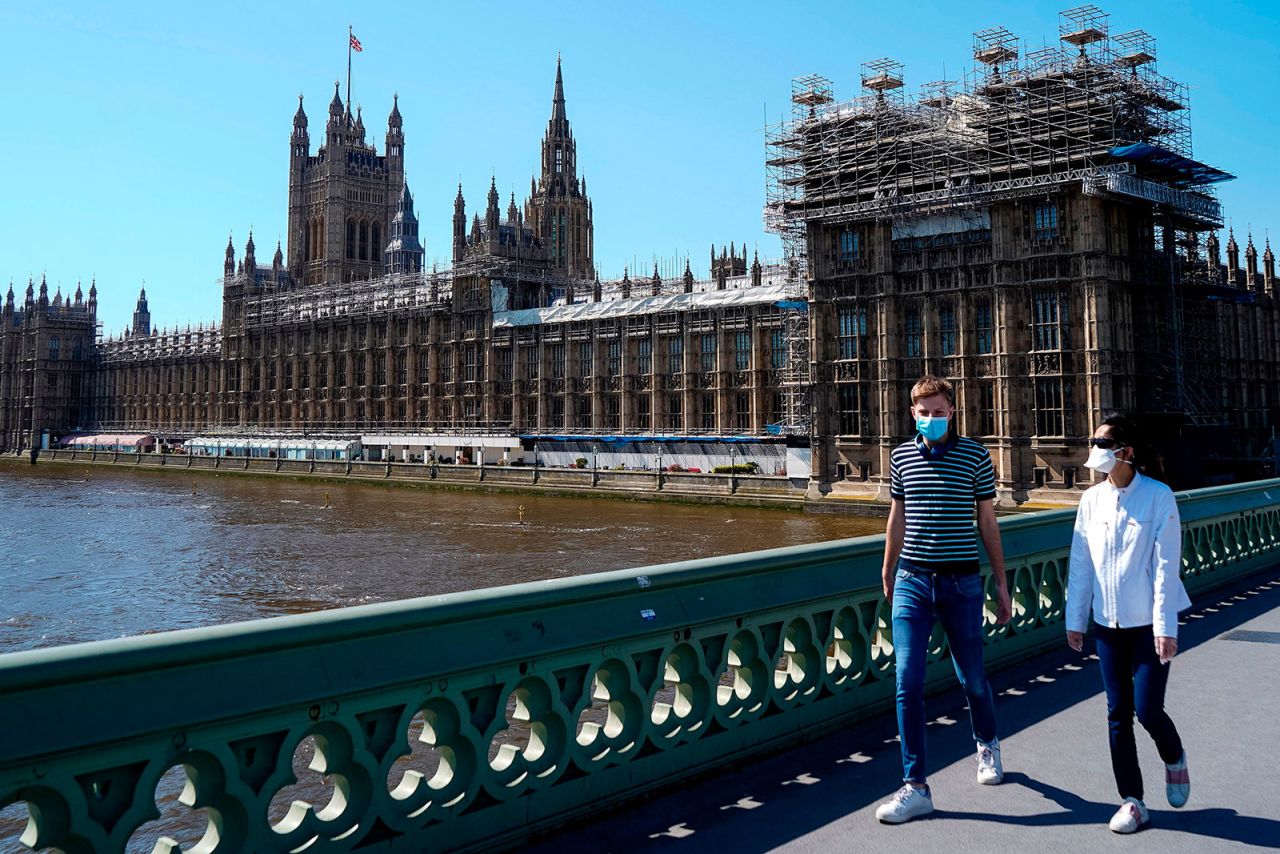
{"points": [[929, 385]]}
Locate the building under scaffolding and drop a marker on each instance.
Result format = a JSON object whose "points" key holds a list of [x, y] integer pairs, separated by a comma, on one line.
{"points": [[1036, 231]]}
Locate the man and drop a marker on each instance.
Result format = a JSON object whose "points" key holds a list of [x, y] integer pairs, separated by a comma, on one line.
{"points": [[931, 573]]}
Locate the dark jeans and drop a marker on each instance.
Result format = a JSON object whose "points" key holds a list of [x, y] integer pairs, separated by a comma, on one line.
{"points": [[919, 598], [1135, 681]]}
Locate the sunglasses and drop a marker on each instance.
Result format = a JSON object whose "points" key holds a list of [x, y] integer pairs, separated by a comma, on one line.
{"points": [[1105, 443]]}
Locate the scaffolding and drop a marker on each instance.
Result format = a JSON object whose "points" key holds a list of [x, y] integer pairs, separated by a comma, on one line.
{"points": [[795, 382], [1018, 124], [201, 342], [427, 292]]}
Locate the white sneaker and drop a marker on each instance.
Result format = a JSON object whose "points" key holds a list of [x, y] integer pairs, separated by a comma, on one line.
{"points": [[1131, 816], [907, 803], [990, 771], [1177, 782]]}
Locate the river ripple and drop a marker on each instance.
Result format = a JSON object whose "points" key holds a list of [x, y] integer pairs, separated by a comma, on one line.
{"points": [[88, 553]]}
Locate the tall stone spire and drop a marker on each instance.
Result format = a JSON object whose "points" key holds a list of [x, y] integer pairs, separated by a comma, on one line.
{"points": [[142, 315], [558, 210], [491, 212], [459, 226], [229, 263], [1233, 258], [557, 100]]}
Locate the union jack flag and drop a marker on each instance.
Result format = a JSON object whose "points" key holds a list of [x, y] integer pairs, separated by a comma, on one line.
{"points": [[355, 44]]}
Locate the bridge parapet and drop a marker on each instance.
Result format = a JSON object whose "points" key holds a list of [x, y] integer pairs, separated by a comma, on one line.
{"points": [[521, 706]]}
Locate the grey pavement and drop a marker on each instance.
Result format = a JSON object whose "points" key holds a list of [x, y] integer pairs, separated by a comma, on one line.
{"points": [[1224, 696]]}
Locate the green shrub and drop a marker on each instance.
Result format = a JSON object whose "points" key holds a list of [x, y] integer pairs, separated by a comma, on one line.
{"points": [[737, 468]]}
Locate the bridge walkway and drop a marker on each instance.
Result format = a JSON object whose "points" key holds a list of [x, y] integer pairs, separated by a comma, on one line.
{"points": [[1058, 793]]}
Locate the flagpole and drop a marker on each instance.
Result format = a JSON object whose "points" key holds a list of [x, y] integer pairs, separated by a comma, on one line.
{"points": [[349, 35]]}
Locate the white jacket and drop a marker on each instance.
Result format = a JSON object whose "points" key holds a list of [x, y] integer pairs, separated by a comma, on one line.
{"points": [[1126, 556]]}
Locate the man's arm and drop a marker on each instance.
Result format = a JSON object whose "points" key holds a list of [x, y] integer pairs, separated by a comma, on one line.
{"points": [[989, 530], [894, 533]]}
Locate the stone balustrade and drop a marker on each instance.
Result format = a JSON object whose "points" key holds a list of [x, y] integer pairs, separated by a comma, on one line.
{"points": [[479, 719]]}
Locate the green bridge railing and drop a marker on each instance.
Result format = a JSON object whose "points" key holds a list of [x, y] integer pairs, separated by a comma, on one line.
{"points": [[480, 719]]}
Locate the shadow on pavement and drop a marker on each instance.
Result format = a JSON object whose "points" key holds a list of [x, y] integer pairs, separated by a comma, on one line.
{"points": [[1217, 823], [780, 799]]}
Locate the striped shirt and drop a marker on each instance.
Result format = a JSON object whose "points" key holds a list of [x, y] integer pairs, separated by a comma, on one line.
{"points": [[939, 489]]}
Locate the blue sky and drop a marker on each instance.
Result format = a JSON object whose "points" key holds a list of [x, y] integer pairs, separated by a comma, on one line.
{"points": [[139, 135]]}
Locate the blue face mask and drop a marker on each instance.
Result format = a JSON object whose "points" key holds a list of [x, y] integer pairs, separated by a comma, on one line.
{"points": [[932, 427]]}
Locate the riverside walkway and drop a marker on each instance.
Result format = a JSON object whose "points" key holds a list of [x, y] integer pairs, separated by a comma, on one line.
{"points": [[1058, 793]]}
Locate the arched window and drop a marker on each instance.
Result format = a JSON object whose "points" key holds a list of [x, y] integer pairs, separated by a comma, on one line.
{"points": [[351, 239], [364, 240], [377, 240]]}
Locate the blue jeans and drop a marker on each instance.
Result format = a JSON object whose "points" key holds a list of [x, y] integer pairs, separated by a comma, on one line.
{"points": [[1135, 681], [919, 598]]}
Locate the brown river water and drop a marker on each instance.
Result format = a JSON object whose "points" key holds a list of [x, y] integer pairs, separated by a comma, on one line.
{"points": [[88, 553]]}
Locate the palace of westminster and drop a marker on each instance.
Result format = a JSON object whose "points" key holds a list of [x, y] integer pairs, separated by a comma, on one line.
{"points": [[1038, 231]]}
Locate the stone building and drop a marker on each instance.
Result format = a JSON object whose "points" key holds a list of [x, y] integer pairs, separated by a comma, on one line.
{"points": [[46, 359], [1040, 233]]}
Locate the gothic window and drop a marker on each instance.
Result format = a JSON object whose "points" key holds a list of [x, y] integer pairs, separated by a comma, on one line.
{"points": [[340, 371], [531, 361], [376, 241], [707, 361], [1046, 221], [55, 345], [675, 411], [850, 246], [777, 349], [1053, 402], [947, 328], [851, 403], [644, 362], [271, 376], [675, 354], [557, 361], [914, 338], [469, 363], [742, 350], [401, 369], [742, 411], [504, 365], [1050, 325], [615, 357], [361, 370], [351, 240], [304, 374], [984, 326], [364, 240], [987, 408], [559, 161], [585, 357], [424, 356], [851, 332], [708, 412], [557, 412], [644, 414], [322, 373]]}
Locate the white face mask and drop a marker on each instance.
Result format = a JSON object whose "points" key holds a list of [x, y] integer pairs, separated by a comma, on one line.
{"points": [[1103, 460]]}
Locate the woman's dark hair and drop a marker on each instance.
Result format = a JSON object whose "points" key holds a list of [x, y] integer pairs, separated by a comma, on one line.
{"points": [[1125, 431]]}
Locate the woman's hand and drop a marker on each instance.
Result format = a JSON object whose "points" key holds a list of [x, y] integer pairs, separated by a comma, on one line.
{"points": [[1075, 640], [1166, 648]]}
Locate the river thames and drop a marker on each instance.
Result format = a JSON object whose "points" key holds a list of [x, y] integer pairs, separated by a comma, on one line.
{"points": [[92, 552]]}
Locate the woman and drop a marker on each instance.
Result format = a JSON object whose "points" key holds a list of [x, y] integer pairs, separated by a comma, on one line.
{"points": [[1126, 555]]}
